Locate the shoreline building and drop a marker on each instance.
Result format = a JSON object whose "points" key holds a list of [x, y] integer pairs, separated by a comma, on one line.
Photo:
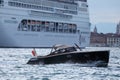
{"points": [[97, 39], [118, 29], [95, 29], [105, 40], [113, 40]]}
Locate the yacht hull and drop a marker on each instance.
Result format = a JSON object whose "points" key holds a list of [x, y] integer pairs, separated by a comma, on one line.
{"points": [[91, 58]]}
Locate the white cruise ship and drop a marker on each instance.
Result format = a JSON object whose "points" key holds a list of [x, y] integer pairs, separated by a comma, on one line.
{"points": [[43, 23]]}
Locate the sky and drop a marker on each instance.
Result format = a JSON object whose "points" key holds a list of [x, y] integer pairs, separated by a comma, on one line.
{"points": [[105, 14]]}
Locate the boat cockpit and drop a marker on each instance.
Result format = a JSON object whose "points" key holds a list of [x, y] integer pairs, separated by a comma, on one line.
{"points": [[62, 49]]}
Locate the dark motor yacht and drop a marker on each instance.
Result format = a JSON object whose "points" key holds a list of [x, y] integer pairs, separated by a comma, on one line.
{"points": [[71, 54]]}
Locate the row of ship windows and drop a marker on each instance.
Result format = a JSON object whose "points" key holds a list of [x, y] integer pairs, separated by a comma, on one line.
{"points": [[50, 15], [37, 26], [50, 3], [85, 32], [1, 2], [24, 5], [69, 1]]}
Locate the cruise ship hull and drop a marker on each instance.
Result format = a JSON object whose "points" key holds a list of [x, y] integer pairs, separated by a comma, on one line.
{"points": [[10, 36], [17, 28]]}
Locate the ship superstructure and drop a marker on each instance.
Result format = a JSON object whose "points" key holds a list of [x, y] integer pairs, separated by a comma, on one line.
{"points": [[43, 23]]}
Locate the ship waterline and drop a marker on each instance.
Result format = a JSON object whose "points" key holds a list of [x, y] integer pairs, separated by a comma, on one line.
{"points": [[39, 24]]}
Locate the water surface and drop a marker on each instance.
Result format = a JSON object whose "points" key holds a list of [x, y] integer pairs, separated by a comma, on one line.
{"points": [[13, 67]]}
